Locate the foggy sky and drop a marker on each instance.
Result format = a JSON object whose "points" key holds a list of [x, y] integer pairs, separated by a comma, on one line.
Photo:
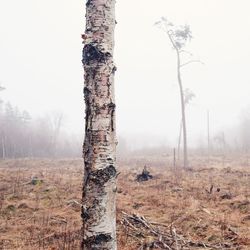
{"points": [[40, 64]]}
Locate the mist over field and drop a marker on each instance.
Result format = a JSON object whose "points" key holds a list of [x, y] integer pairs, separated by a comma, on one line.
{"points": [[41, 69]]}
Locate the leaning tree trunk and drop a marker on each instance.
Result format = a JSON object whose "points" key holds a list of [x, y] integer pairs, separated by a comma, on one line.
{"points": [[99, 149]]}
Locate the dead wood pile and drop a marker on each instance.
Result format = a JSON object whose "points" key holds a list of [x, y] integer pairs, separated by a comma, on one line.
{"points": [[152, 235]]}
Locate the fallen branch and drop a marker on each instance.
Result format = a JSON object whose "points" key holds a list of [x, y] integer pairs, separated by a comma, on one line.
{"points": [[161, 236]]}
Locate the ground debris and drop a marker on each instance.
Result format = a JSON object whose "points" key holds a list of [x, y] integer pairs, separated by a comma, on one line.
{"points": [[144, 176], [227, 196], [36, 181], [74, 205], [152, 235]]}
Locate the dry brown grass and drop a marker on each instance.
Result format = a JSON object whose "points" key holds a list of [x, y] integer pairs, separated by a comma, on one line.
{"points": [[47, 215]]}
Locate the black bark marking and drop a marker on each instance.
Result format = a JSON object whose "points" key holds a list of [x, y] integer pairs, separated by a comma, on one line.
{"points": [[112, 120], [97, 241], [88, 2], [86, 93], [111, 106], [84, 214], [114, 70], [103, 175], [112, 112], [109, 85], [91, 54]]}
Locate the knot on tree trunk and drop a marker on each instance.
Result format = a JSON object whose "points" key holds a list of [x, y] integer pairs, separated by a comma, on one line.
{"points": [[91, 54]]}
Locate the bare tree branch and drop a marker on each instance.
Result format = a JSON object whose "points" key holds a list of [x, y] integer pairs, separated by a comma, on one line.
{"points": [[192, 61], [187, 52]]}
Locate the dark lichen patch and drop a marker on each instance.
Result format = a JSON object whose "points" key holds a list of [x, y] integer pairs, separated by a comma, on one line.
{"points": [[88, 2], [112, 107], [84, 214], [114, 70], [103, 175], [92, 54], [86, 92], [97, 241], [87, 98]]}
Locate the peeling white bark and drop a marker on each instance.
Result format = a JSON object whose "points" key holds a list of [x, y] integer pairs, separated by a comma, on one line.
{"points": [[99, 149]]}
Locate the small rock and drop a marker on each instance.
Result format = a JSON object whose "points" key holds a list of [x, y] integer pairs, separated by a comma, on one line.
{"points": [[74, 204], [11, 208], [226, 196], [23, 206], [246, 218], [35, 181], [48, 189], [137, 205], [177, 189]]}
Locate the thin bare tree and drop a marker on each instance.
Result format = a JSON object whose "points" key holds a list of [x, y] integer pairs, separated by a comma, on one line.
{"points": [[56, 121], [208, 137], [179, 36], [188, 96], [99, 149]]}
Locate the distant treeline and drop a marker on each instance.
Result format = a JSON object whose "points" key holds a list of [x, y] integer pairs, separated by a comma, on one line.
{"points": [[23, 136]]}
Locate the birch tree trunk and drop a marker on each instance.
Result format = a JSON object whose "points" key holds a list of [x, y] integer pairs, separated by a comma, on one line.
{"points": [[183, 111], [99, 149]]}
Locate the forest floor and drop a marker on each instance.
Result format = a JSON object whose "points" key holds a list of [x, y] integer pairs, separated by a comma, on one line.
{"points": [[207, 207]]}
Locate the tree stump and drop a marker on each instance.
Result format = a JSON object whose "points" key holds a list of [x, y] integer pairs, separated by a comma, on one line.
{"points": [[144, 176]]}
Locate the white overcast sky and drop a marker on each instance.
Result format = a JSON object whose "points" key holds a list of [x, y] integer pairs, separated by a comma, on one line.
{"points": [[40, 63]]}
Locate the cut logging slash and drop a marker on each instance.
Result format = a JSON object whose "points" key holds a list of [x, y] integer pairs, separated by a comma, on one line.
{"points": [[151, 235]]}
